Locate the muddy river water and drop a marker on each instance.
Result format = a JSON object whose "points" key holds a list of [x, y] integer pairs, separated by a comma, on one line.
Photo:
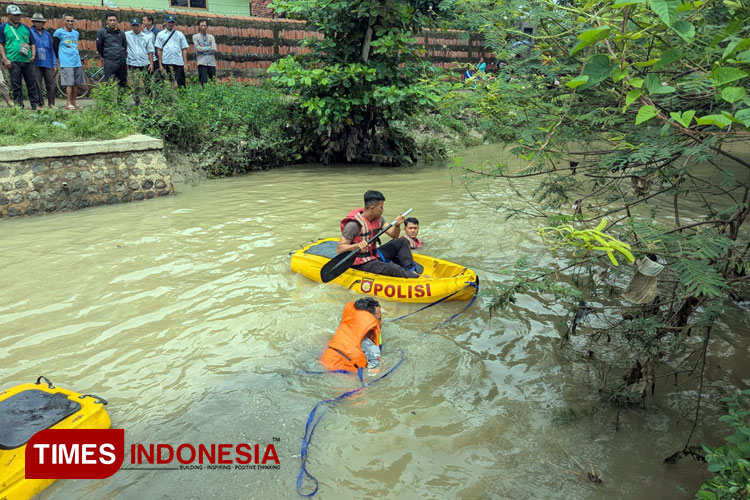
{"points": [[184, 314]]}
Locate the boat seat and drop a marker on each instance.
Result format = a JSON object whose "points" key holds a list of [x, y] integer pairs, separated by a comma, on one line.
{"points": [[26, 413], [324, 249]]}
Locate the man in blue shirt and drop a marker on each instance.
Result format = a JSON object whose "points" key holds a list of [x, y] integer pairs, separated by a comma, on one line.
{"points": [[150, 29], [71, 70], [46, 61]]}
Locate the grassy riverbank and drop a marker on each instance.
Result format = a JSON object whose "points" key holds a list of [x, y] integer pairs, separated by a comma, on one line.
{"points": [[18, 126], [225, 129]]}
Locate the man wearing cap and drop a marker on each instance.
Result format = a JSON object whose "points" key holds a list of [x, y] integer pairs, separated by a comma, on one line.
{"points": [[46, 61], [171, 47], [71, 70], [17, 51], [113, 47], [140, 53]]}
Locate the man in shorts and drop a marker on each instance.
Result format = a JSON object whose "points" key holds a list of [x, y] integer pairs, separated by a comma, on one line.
{"points": [[71, 71]]}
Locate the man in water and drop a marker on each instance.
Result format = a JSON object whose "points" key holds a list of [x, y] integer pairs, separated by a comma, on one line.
{"points": [[356, 343], [360, 225], [411, 230]]}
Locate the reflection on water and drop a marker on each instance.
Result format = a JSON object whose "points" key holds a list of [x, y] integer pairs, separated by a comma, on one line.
{"points": [[183, 313]]}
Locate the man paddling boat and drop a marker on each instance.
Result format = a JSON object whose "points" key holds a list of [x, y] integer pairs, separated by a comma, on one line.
{"points": [[392, 259]]}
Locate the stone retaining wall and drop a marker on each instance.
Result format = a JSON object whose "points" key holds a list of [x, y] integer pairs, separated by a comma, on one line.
{"points": [[53, 177]]}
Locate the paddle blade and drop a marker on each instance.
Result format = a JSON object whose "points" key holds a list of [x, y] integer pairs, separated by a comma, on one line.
{"points": [[337, 266]]}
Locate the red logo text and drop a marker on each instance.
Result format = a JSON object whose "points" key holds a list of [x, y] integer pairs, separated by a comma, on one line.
{"points": [[74, 453]]}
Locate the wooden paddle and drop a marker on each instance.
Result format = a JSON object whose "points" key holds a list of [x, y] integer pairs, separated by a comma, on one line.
{"points": [[343, 261]]}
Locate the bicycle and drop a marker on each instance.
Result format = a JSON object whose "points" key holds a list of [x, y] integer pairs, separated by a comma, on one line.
{"points": [[93, 74]]}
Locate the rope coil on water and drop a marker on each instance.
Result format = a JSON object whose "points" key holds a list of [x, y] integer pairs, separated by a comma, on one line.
{"points": [[315, 417]]}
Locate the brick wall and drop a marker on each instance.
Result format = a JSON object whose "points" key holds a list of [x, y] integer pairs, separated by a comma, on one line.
{"points": [[247, 46]]}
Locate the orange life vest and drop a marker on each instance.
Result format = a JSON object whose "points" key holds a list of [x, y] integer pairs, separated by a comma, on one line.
{"points": [[344, 351], [367, 229]]}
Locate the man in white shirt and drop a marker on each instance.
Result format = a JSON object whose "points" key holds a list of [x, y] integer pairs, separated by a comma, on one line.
{"points": [[140, 48], [171, 48], [140, 55]]}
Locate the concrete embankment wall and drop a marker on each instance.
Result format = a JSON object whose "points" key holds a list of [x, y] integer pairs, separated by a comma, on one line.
{"points": [[247, 46], [53, 177]]}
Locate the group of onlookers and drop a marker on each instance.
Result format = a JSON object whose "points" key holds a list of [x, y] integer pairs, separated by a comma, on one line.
{"points": [[34, 56]]}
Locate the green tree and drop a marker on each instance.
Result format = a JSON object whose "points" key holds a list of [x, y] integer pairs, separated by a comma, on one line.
{"points": [[731, 462], [360, 79], [627, 110]]}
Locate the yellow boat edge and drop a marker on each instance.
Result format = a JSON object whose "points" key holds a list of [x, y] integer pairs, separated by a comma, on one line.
{"points": [[446, 278], [13, 482]]}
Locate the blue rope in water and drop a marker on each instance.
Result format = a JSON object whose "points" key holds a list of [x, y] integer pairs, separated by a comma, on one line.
{"points": [[469, 284], [462, 310], [314, 419]]}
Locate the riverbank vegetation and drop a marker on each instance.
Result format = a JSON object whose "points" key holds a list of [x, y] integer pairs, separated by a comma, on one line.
{"points": [[226, 129], [363, 76], [628, 116], [57, 125]]}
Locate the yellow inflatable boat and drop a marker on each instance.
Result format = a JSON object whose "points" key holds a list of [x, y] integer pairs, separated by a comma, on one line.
{"points": [[29, 408], [441, 279]]}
